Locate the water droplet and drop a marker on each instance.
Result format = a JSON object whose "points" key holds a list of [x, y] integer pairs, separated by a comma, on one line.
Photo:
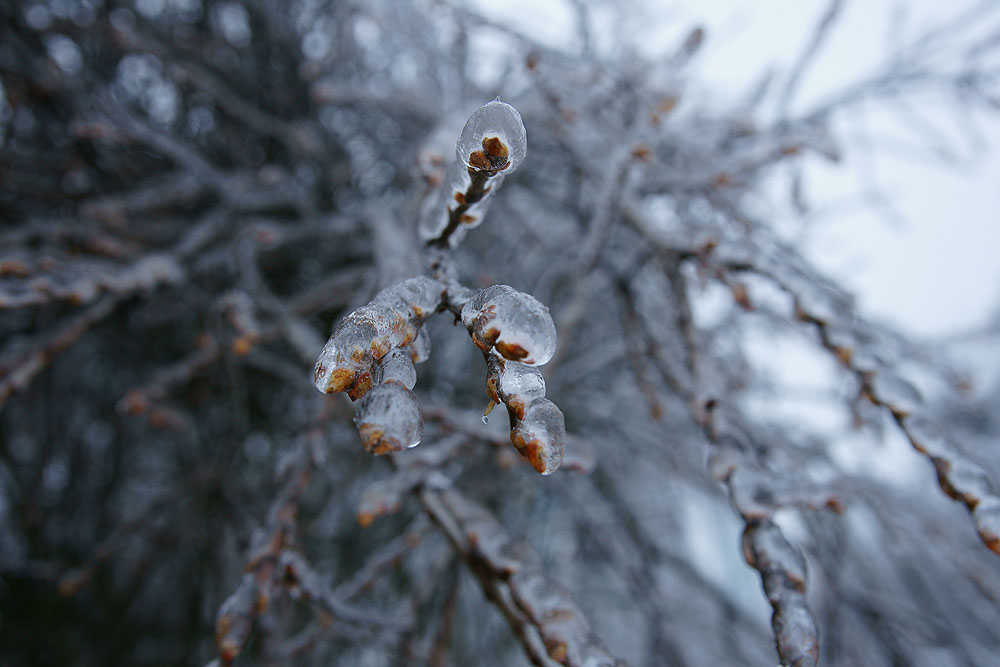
{"points": [[486, 419]]}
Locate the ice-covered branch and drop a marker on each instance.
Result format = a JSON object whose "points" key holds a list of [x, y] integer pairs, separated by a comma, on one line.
{"points": [[542, 614], [492, 145]]}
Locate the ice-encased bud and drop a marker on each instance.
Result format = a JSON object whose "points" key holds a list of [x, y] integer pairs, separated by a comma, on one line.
{"points": [[541, 435], [391, 320], [397, 366], [364, 336], [493, 139], [517, 324], [388, 419], [345, 355], [514, 384]]}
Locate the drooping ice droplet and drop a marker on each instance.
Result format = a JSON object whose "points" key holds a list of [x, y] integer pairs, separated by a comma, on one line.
{"points": [[541, 435], [517, 324], [493, 139], [388, 419]]}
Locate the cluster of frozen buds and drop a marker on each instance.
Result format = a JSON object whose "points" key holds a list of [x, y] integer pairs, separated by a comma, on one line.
{"points": [[371, 353], [516, 333]]}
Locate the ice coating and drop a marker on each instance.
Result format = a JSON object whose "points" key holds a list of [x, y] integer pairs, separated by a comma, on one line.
{"points": [[435, 218], [423, 295], [518, 379], [987, 516], [516, 324], [453, 200], [388, 419], [514, 384], [899, 395], [493, 139], [765, 547], [966, 481], [927, 436], [541, 435], [420, 348], [364, 336], [434, 215], [346, 354], [476, 211], [397, 366], [390, 321]]}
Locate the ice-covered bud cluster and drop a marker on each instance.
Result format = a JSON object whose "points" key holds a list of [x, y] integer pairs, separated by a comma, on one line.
{"points": [[493, 139], [392, 320], [538, 429], [371, 355], [517, 334], [517, 325]]}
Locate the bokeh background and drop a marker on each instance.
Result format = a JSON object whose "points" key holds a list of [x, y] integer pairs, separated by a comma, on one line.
{"points": [[766, 236]]}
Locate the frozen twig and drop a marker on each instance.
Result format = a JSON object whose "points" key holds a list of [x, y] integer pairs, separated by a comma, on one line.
{"points": [[543, 616]]}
